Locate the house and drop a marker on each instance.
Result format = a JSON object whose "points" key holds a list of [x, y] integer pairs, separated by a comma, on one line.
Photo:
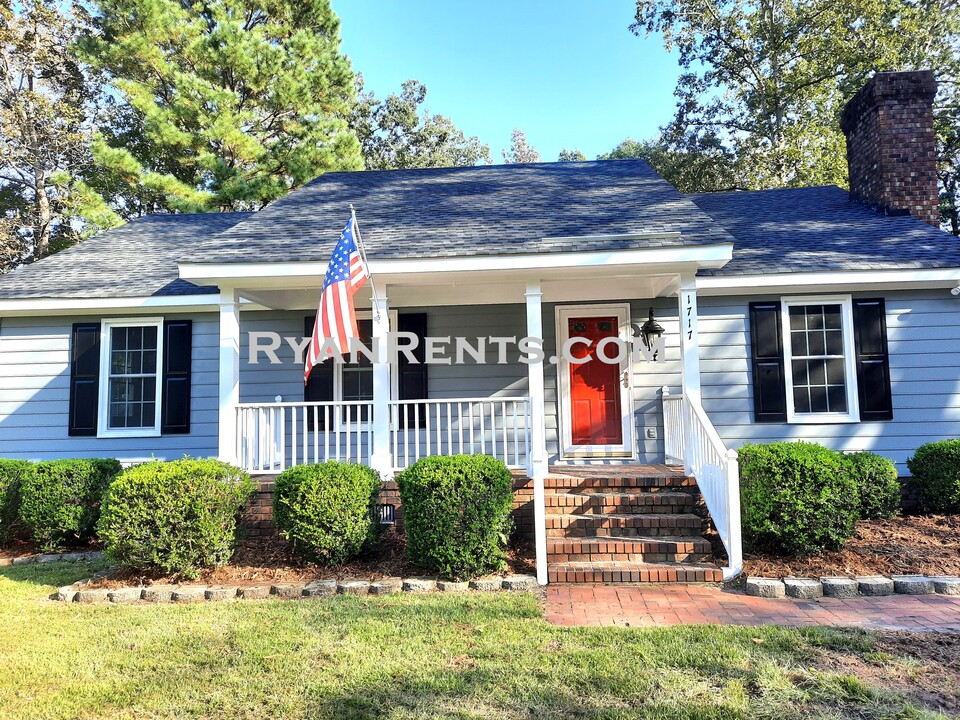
{"points": [[808, 313]]}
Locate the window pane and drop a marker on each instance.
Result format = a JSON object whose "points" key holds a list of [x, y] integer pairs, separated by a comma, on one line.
{"points": [[816, 342], [815, 369], [799, 373], [149, 338], [134, 338], [831, 314], [797, 319], [801, 400], [834, 342], [149, 361], [818, 399], [118, 338], [814, 317], [835, 371], [798, 344], [837, 396]]}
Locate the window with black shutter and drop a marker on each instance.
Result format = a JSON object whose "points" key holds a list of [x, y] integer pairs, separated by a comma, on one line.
{"points": [[820, 359], [130, 377]]}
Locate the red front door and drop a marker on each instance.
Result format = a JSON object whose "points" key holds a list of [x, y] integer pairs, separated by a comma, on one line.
{"points": [[595, 385]]}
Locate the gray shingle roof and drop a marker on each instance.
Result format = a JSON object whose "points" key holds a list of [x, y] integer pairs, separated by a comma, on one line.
{"points": [[139, 258], [492, 209], [821, 229]]}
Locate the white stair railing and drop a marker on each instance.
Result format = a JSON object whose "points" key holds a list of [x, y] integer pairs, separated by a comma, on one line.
{"points": [[691, 437], [496, 426]]}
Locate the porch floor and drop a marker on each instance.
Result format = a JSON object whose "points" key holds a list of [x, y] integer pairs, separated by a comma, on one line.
{"points": [[612, 471]]}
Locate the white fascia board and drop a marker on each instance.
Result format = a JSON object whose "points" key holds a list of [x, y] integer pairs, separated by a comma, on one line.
{"points": [[706, 256], [86, 306], [835, 281]]}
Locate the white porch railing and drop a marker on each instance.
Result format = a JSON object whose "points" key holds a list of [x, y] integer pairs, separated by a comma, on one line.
{"points": [[499, 427], [270, 437], [274, 436], [690, 437]]}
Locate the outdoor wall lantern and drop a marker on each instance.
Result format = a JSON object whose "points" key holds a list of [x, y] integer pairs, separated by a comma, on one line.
{"points": [[650, 331]]}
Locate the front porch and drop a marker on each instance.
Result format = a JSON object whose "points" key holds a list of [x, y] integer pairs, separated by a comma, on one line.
{"points": [[516, 410]]}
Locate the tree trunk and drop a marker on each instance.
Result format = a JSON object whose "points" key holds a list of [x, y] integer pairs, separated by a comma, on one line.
{"points": [[41, 231]]}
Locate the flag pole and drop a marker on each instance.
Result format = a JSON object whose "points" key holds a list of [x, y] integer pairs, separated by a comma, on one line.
{"points": [[366, 265]]}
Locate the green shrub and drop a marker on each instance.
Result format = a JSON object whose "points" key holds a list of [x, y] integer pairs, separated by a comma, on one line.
{"points": [[177, 517], [327, 511], [456, 511], [877, 485], [60, 499], [796, 498], [936, 467], [11, 477]]}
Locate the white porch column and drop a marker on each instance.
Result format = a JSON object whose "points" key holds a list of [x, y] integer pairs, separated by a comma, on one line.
{"points": [[690, 359], [229, 373], [381, 458], [689, 339], [537, 462]]}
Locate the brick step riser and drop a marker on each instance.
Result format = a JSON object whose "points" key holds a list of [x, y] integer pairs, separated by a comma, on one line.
{"points": [[613, 484], [694, 558], [576, 533], [598, 509], [602, 545], [679, 575]]}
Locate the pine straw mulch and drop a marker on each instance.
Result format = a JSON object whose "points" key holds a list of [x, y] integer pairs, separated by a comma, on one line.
{"points": [[268, 560], [19, 547], [923, 545]]}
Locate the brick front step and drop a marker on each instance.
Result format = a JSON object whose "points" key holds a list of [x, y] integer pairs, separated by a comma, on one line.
{"points": [[623, 525], [624, 572], [644, 550], [617, 484], [610, 502]]}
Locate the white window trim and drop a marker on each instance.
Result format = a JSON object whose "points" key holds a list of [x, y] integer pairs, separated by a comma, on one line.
{"points": [[849, 359], [103, 424], [338, 374]]}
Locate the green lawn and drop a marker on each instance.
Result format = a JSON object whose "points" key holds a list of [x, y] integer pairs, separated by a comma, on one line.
{"points": [[472, 656]]}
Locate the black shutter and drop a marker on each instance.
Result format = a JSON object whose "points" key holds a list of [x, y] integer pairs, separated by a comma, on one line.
{"points": [[320, 386], [766, 344], [873, 364], [412, 378], [84, 378], [175, 395]]}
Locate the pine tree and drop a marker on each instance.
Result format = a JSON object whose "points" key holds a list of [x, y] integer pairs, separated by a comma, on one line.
{"points": [[229, 103]]}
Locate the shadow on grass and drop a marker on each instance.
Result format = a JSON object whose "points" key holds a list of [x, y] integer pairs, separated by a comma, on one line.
{"points": [[475, 693], [54, 573]]}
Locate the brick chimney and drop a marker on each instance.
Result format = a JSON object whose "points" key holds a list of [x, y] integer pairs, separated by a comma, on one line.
{"points": [[891, 149]]}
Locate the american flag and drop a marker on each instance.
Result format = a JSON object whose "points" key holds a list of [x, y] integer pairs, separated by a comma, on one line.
{"points": [[336, 316]]}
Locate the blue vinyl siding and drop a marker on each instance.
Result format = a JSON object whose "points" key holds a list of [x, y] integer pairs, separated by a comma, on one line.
{"points": [[923, 334], [35, 392]]}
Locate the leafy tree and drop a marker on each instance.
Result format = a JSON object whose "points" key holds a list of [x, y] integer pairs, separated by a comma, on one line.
{"points": [[571, 156], [229, 103], [520, 150], [769, 78], [45, 101], [395, 134], [702, 165]]}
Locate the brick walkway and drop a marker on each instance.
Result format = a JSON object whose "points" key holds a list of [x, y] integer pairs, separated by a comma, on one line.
{"points": [[657, 606]]}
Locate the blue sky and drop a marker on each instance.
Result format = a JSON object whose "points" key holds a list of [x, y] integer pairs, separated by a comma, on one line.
{"points": [[567, 73]]}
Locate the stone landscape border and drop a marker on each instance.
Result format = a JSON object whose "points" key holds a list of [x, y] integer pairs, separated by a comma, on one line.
{"points": [[840, 586], [285, 591]]}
